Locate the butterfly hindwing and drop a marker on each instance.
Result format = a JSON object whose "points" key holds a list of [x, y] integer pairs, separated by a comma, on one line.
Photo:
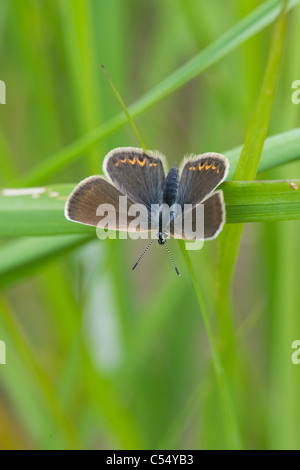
{"points": [[139, 175], [199, 176], [83, 203], [214, 219], [214, 215]]}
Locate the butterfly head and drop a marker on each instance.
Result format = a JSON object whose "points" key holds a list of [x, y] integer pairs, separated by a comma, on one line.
{"points": [[162, 237]]}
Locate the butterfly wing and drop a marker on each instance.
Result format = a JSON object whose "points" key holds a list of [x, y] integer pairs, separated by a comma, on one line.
{"points": [[214, 219], [139, 175], [214, 215], [83, 203], [199, 176]]}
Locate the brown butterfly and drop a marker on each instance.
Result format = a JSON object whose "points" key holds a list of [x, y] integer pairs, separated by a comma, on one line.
{"points": [[142, 177]]}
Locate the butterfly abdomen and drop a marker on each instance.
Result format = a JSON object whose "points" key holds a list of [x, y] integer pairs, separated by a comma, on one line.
{"points": [[171, 186]]}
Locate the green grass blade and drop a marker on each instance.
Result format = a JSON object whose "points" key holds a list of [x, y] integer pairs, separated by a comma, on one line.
{"points": [[261, 201], [250, 156], [246, 201], [21, 257], [277, 150], [7, 169], [79, 48], [123, 106], [27, 32], [232, 435], [252, 24], [246, 170], [37, 385], [256, 134], [177, 427]]}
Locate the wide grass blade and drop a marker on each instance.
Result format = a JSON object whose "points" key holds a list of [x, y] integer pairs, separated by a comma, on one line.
{"points": [[255, 201]]}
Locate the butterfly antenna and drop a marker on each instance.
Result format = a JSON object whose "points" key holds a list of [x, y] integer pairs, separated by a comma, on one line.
{"points": [[146, 249], [172, 259]]}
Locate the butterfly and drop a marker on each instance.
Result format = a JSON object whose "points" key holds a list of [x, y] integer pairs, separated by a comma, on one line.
{"points": [[143, 178]]}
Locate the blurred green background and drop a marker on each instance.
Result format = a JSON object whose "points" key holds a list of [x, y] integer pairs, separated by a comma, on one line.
{"points": [[98, 356]]}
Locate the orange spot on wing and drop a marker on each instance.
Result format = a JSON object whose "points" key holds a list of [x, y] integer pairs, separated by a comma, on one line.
{"points": [[207, 167], [132, 161], [117, 163], [201, 166], [123, 161], [192, 168], [153, 164], [142, 162], [213, 167]]}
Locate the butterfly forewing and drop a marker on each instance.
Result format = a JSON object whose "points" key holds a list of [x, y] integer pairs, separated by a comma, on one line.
{"points": [[137, 174], [200, 175]]}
